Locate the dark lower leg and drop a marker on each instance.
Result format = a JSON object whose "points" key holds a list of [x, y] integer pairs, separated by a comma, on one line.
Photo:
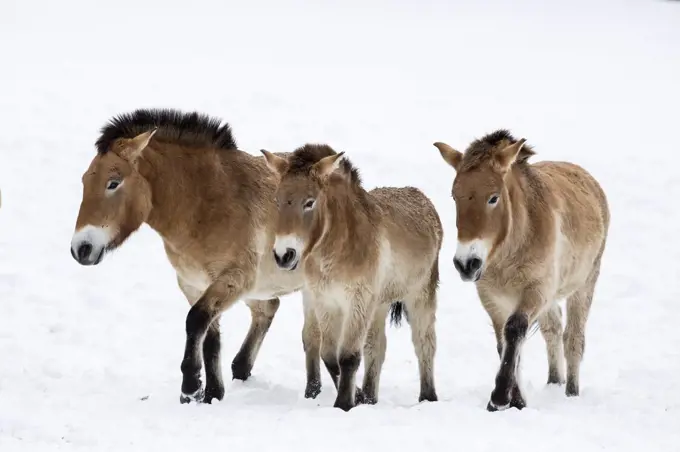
{"points": [[349, 364], [262, 315], [515, 331], [516, 399], [214, 386], [197, 324]]}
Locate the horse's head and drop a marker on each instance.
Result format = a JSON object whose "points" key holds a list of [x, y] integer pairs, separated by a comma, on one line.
{"points": [[116, 200], [483, 211], [303, 176]]}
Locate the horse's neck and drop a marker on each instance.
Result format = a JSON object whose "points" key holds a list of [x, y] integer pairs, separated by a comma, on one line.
{"points": [[346, 224], [519, 226], [177, 185]]}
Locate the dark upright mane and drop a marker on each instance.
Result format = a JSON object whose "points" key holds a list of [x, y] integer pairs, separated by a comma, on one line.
{"points": [[481, 149], [189, 129], [303, 158]]}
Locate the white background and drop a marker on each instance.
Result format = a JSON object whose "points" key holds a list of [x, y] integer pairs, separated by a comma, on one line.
{"points": [[596, 83]]}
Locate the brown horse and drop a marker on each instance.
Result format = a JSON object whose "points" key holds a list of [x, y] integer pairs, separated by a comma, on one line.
{"points": [[528, 235], [360, 251], [214, 208]]}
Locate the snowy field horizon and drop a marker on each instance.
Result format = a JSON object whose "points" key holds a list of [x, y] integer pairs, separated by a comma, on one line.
{"points": [[91, 355]]}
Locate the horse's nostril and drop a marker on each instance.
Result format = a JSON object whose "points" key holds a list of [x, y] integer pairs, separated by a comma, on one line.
{"points": [[474, 264], [458, 265], [84, 251], [288, 256]]}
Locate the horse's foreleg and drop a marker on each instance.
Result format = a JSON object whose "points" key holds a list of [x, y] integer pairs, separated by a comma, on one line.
{"points": [[311, 343], [262, 315], [349, 353], [506, 392], [220, 296]]}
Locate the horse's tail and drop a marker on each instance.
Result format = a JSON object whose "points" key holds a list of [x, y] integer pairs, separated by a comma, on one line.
{"points": [[397, 311]]}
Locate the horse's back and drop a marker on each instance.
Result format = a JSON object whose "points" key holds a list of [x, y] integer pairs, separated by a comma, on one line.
{"points": [[580, 207], [580, 196], [410, 219]]}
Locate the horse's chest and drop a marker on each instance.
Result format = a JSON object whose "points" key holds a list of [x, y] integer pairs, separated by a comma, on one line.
{"points": [[331, 296]]}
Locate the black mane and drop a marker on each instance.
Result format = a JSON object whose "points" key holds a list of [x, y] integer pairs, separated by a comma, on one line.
{"points": [[189, 129], [482, 149], [304, 157]]}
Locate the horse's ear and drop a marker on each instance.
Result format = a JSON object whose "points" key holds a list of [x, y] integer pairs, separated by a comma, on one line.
{"points": [[133, 147], [508, 155], [275, 163], [450, 155], [328, 165]]}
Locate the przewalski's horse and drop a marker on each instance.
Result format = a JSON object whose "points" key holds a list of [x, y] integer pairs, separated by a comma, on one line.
{"points": [[528, 235], [214, 208], [360, 251]]}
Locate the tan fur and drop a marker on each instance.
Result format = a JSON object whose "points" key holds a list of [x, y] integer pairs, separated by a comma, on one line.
{"points": [[360, 252], [543, 241], [215, 211]]}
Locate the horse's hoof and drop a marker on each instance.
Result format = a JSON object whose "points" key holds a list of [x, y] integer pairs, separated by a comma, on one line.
{"points": [[499, 399], [344, 406], [359, 396], [492, 407], [431, 397], [572, 389], [368, 400], [195, 397], [313, 389], [211, 393], [240, 370], [555, 379]]}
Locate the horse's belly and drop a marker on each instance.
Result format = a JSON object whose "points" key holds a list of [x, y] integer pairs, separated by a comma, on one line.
{"points": [[275, 283]]}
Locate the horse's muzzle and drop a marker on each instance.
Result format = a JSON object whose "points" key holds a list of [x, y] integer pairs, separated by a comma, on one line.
{"points": [[469, 269]]}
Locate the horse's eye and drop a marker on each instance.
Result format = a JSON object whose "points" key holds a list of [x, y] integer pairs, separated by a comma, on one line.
{"points": [[493, 200], [112, 184], [309, 204]]}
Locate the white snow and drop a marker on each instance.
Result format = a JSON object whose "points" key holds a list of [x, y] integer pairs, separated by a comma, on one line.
{"points": [[596, 83]]}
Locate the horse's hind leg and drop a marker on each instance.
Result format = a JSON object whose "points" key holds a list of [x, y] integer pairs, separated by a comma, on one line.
{"points": [[311, 343], [422, 316], [578, 307], [550, 323], [262, 313], [374, 355]]}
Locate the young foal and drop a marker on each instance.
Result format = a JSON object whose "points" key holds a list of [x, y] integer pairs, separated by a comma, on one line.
{"points": [[360, 252], [528, 235], [213, 206]]}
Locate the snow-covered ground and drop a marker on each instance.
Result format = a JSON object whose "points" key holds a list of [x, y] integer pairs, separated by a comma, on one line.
{"points": [[89, 356]]}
